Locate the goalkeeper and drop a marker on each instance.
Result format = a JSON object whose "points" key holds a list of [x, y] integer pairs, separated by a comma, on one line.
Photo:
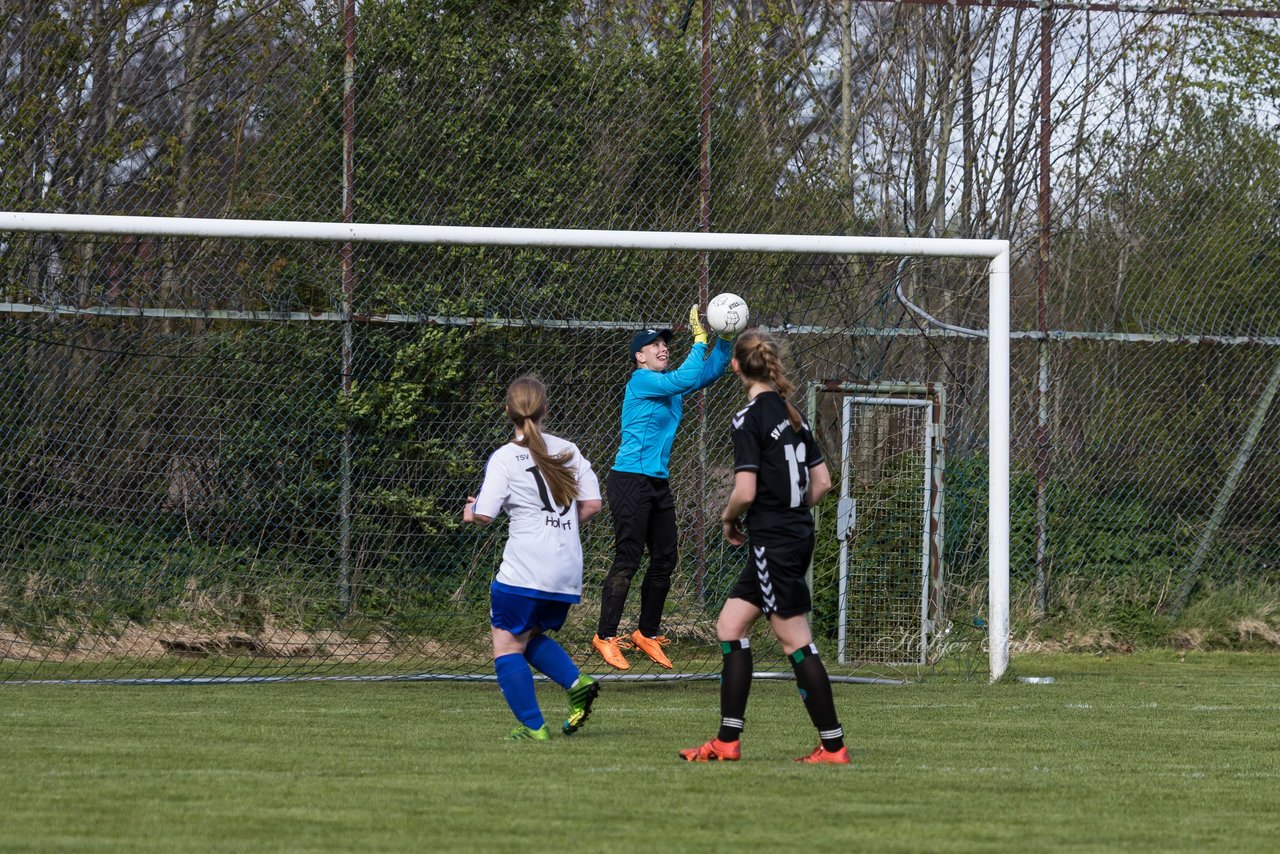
{"points": [[548, 490], [639, 492]]}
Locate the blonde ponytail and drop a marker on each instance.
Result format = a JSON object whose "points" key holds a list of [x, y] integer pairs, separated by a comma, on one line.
{"points": [[759, 360], [526, 407]]}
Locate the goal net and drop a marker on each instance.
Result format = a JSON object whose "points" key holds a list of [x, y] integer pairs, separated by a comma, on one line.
{"points": [[239, 449]]}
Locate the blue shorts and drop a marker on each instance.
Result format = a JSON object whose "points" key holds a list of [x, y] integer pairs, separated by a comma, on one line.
{"points": [[518, 614]]}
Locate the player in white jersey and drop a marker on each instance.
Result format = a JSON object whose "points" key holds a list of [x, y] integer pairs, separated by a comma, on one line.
{"points": [[779, 473], [548, 490]]}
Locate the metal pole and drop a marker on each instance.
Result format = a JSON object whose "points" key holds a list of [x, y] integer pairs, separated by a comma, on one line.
{"points": [[811, 412], [842, 596], [704, 143], [1150, 9], [570, 238], [846, 110], [704, 290], [348, 288], [926, 533], [998, 482], [1042, 322]]}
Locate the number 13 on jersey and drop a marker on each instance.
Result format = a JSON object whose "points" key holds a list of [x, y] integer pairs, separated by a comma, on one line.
{"points": [[799, 473]]}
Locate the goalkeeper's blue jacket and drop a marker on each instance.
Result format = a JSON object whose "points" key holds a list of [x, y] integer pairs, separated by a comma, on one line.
{"points": [[654, 402]]}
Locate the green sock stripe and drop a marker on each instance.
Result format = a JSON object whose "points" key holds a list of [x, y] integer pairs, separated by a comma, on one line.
{"points": [[726, 647], [803, 652]]}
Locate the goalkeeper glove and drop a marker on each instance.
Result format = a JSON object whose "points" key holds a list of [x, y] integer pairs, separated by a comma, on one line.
{"points": [[695, 326]]}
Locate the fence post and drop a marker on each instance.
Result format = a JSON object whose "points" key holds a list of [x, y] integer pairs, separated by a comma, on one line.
{"points": [[348, 289], [704, 291], [1042, 320]]}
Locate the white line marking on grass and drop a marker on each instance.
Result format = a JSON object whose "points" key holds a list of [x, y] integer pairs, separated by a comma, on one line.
{"points": [[659, 709], [1079, 706], [1000, 769], [191, 772]]}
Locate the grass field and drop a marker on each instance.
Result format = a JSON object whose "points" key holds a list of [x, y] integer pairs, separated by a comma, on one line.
{"points": [[1135, 753]]}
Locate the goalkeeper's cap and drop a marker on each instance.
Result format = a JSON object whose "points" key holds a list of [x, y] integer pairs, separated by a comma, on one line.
{"points": [[645, 337]]}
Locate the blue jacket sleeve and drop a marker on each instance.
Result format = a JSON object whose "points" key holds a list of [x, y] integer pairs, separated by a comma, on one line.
{"points": [[718, 359], [682, 380]]}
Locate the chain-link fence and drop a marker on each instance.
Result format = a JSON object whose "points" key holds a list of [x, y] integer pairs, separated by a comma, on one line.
{"points": [[247, 457]]}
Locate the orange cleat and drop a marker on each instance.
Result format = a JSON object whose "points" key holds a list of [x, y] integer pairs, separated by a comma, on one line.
{"points": [[714, 750], [610, 650], [822, 756], [652, 647]]}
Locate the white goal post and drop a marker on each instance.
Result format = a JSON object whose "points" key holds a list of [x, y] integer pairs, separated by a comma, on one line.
{"points": [[995, 251]]}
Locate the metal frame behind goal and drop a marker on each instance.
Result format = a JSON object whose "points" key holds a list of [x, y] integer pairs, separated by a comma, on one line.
{"points": [[890, 518]]}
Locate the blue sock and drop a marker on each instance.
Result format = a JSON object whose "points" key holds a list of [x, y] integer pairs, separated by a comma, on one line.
{"points": [[516, 681], [549, 657]]}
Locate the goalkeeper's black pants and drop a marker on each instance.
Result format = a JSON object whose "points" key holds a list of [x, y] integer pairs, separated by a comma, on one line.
{"points": [[644, 517]]}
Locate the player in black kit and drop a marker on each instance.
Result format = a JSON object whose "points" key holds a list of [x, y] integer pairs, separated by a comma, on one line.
{"points": [[779, 473]]}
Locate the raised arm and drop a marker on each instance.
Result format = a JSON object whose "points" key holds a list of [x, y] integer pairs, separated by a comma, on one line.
{"points": [[717, 361], [682, 380]]}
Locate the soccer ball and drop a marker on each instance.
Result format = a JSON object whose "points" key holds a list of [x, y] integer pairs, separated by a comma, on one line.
{"points": [[727, 314]]}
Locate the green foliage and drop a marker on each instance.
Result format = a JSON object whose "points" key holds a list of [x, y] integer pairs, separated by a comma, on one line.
{"points": [[1209, 193], [1235, 57], [826, 574], [87, 576], [1194, 246], [221, 453], [611, 113], [1114, 561]]}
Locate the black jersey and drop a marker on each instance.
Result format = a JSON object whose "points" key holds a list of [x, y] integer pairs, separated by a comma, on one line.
{"points": [[765, 442]]}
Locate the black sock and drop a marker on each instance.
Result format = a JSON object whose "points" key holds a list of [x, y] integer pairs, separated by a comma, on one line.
{"points": [[815, 690], [735, 685]]}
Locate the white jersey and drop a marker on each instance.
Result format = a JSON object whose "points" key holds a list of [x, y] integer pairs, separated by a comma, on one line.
{"points": [[543, 556]]}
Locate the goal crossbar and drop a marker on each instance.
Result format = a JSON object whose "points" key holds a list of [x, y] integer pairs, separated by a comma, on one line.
{"points": [[995, 251]]}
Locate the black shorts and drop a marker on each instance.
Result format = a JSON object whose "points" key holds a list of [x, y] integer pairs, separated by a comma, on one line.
{"points": [[773, 579]]}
